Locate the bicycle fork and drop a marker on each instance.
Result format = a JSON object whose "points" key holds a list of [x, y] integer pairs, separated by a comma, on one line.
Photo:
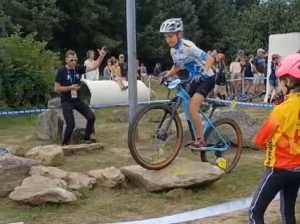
{"points": [[162, 132]]}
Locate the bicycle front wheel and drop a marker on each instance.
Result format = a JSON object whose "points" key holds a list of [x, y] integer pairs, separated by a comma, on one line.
{"points": [[166, 127], [224, 129]]}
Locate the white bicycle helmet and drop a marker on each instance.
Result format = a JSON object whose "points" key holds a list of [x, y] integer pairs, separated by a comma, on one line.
{"points": [[171, 25]]}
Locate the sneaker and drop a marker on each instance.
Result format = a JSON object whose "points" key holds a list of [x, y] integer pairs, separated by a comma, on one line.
{"points": [[199, 144]]}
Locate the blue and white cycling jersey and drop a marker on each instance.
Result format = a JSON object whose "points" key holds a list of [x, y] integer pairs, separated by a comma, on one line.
{"points": [[187, 55]]}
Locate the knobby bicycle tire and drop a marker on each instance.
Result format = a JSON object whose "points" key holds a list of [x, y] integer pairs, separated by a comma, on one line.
{"points": [[132, 133], [238, 132]]}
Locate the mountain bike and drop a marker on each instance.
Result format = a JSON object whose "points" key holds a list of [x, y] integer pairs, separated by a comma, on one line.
{"points": [[218, 146]]}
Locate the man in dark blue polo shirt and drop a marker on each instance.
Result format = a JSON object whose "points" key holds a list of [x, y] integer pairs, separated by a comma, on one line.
{"points": [[67, 84]]}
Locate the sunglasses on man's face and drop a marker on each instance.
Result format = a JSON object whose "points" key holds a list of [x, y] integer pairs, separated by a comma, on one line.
{"points": [[73, 60]]}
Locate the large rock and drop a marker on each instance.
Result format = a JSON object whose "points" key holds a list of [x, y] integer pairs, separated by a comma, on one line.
{"points": [[248, 125], [42, 182], [13, 170], [48, 171], [110, 177], [38, 190], [54, 103], [38, 195], [15, 150], [77, 181], [50, 124], [182, 173], [75, 149], [48, 155]]}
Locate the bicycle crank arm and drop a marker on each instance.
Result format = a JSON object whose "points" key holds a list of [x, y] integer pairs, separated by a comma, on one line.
{"points": [[188, 144]]}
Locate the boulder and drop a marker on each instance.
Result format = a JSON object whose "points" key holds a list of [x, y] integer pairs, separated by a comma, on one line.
{"points": [[41, 181], [13, 170], [48, 155], [110, 177], [182, 173], [15, 150], [48, 171], [54, 103], [248, 124], [38, 190], [77, 181], [50, 124], [37, 196], [72, 149]]}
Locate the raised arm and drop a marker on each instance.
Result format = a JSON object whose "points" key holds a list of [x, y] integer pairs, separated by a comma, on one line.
{"points": [[95, 64]]}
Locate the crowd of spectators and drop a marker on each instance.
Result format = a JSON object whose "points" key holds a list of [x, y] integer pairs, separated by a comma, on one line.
{"points": [[116, 69], [252, 69]]}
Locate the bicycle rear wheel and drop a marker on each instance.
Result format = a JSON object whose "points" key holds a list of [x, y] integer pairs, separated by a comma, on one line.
{"points": [[159, 134], [233, 139]]}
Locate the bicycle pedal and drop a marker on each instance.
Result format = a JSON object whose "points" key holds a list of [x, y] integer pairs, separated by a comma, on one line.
{"points": [[188, 144]]}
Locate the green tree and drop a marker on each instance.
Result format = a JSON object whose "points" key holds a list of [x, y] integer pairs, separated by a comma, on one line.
{"points": [[34, 16], [88, 24], [250, 29], [26, 70]]}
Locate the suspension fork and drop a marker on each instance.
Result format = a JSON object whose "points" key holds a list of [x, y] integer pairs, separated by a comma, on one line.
{"points": [[174, 104]]}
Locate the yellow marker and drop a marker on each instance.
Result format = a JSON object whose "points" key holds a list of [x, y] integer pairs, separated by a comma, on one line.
{"points": [[233, 104], [221, 163]]}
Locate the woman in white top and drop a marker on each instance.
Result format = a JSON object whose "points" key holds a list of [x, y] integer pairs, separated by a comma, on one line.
{"points": [[235, 71], [92, 75]]}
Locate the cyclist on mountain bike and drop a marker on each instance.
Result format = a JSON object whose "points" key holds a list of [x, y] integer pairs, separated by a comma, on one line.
{"points": [[202, 78]]}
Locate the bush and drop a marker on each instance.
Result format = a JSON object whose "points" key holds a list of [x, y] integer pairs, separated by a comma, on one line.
{"points": [[27, 71]]}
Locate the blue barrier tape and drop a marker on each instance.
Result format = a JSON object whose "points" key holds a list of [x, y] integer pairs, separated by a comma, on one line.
{"points": [[21, 112], [99, 106], [244, 104]]}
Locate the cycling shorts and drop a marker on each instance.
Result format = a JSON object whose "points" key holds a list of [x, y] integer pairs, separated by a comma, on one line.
{"points": [[203, 88]]}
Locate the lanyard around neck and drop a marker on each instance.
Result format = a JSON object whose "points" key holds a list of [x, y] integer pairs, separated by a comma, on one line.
{"points": [[72, 79]]}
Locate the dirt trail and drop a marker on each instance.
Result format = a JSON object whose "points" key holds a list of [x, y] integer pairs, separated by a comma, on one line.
{"points": [[272, 216]]}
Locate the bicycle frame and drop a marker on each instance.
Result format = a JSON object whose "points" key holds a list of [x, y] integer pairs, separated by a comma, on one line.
{"points": [[182, 99]]}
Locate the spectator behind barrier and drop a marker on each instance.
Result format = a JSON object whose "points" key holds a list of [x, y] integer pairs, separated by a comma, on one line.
{"points": [[116, 74], [123, 65], [235, 70], [143, 72], [273, 81], [157, 70], [259, 67], [91, 75], [107, 70]]}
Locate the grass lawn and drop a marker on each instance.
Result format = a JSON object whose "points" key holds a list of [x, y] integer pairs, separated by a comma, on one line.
{"points": [[102, 205]]}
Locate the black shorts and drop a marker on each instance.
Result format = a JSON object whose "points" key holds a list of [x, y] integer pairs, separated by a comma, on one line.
{"points": [[220, 79], [203, 88]]}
